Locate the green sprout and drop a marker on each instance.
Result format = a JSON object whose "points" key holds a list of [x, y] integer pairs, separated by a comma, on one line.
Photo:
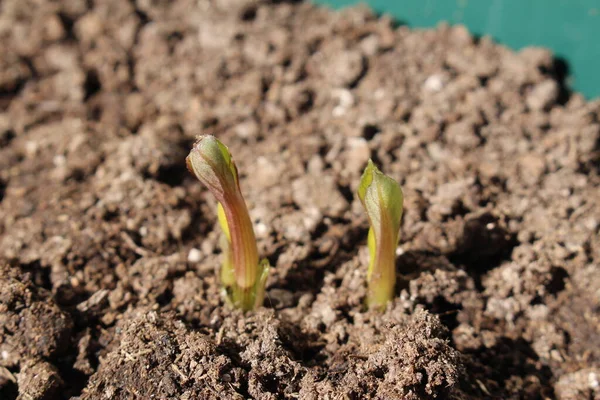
{"points": [[242, 275], [382, 198]]}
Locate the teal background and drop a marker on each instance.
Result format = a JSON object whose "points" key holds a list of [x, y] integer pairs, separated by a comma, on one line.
{"points": [[571, 28]]}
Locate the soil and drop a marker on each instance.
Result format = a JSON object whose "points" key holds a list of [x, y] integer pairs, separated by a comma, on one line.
{"points": [[109, 246]]}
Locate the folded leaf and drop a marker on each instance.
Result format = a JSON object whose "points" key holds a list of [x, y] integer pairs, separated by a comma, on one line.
{"points": [[213, 165], [382, 199]]}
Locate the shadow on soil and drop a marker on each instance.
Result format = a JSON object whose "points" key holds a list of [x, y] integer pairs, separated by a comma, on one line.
{"points": [[485, 244], [308, 274], [508, 360]]}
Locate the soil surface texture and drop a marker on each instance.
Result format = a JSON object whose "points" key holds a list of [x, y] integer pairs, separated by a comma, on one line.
{"points": [[109, 247]]}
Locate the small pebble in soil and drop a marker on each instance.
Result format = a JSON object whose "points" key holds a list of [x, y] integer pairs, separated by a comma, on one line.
{"points": [[194, 255]]}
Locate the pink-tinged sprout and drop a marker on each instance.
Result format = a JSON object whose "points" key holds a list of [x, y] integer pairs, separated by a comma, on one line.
{"points": [[382, 198], [242, 275]]}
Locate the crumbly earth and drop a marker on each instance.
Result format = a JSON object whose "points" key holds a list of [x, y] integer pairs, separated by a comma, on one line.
{"points": [[109, 246]]}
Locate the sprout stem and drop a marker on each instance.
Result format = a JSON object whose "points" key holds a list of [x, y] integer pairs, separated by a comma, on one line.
{"points": [[242, 276], [382, 198]]}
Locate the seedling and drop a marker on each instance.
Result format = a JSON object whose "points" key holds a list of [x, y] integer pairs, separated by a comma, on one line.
{"points": [[382, 198], [242, 275]]}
